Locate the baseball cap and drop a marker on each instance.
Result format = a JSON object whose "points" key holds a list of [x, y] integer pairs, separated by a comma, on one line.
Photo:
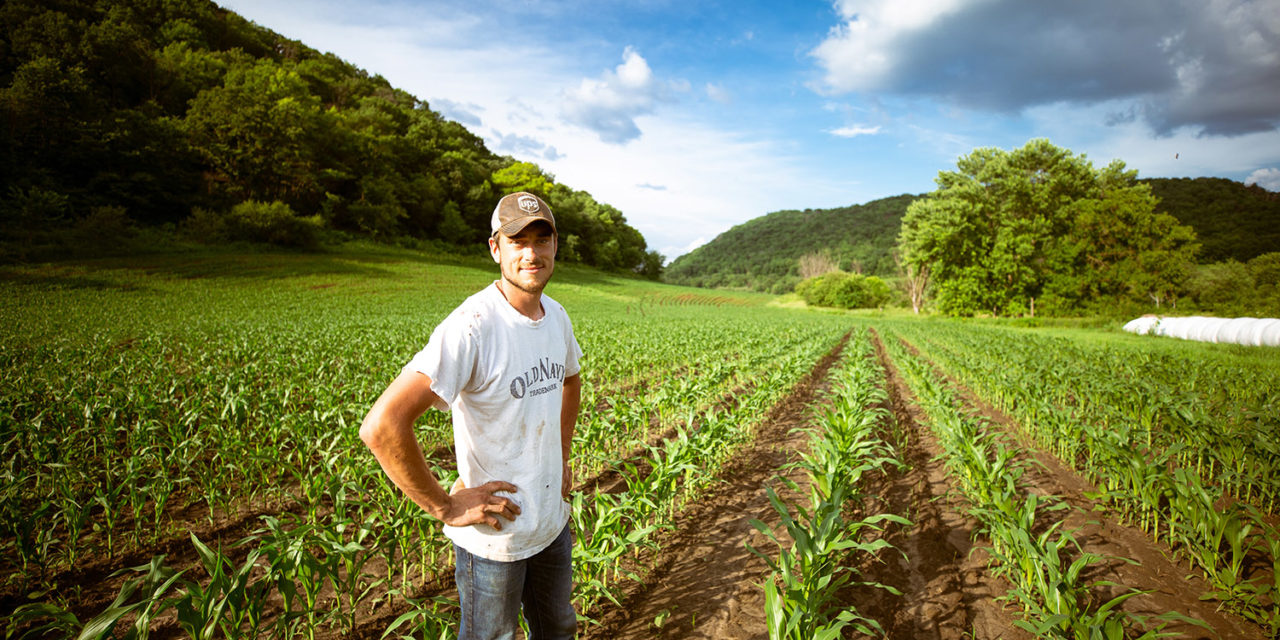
{"points": [[516, 211]]}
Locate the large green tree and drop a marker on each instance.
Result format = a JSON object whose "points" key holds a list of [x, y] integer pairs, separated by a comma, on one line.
{"points": [[256, 132], [1008, 231]]}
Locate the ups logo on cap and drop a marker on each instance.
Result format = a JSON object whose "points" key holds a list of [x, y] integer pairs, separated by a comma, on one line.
{"points": [[528, 204]]}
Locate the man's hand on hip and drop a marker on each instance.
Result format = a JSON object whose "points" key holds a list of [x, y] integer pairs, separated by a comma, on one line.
{"points": [[479, 505]]}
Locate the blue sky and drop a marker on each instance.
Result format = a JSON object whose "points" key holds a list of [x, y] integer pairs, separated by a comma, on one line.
{"points": [[691, 117]]}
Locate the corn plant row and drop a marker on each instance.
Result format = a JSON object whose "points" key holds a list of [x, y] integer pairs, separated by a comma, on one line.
{"points": [[844, 446], [1220, 420], [269, 583], [1144, 486], [106, 457], [613, 528], [614, 424], [1044, 568]]}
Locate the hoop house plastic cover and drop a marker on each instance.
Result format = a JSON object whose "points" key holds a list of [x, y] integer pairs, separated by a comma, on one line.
{"points": [[1258, 332]]}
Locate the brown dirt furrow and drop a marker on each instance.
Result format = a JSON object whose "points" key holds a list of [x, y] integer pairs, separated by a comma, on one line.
{"points": [[705, 583], [1172, 586], [947, 592]]}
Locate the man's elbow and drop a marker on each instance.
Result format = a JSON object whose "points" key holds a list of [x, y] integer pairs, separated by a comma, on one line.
{"points": [[372, 431]]}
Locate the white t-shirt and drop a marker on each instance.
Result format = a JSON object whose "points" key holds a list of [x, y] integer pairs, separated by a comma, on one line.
{"points": [[502, 375]]}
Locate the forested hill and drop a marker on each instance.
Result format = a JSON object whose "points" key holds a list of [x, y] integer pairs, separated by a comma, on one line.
{"points": [[764, 253], [121, 113], [1231, 220]]}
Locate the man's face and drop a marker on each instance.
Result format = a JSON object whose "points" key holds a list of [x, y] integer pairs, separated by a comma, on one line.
{"points": [[527, 258]]}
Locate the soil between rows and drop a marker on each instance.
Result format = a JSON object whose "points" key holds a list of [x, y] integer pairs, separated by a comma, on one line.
{"points": [[1170, 585], [947, 591], [707, 584]]}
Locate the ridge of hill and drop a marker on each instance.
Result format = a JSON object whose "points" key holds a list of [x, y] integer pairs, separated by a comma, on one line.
{"points": [[763, 253], [1233, 221]]}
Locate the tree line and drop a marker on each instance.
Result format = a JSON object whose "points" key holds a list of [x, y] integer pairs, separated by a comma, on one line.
{"points": [[178, 112], [1039, 228]]}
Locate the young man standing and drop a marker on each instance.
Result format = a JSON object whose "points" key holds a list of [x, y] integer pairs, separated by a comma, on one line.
{"points": [[505, 363]]}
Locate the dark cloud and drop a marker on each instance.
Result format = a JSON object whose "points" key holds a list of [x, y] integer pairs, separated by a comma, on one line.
{"points": [[1212, 65]]}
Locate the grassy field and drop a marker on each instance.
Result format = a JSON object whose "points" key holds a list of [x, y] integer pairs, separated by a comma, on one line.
{"points": [[180, 450]]}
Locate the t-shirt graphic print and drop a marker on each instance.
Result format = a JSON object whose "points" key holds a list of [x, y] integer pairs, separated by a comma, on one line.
{"points": [[501, 375]]}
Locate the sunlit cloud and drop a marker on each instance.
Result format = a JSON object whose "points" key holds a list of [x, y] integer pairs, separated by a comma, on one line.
{"points": [[610, 104], [719, 94], [855, 131], [1268, 178]]}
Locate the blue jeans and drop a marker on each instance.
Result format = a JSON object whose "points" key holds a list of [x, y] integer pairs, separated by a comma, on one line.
{"points": [[491, 593]]}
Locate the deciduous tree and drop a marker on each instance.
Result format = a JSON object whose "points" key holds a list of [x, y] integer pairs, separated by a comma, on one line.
{"points": [[1009, 227]]}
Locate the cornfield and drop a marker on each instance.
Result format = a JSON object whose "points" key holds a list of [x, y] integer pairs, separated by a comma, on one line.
{"points": [[181, 456]]}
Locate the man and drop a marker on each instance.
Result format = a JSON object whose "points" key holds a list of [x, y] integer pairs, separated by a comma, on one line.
{"points": [[505, 363]]}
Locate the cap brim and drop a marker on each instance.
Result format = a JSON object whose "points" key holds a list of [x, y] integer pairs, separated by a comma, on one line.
{"points": [[518, 225]]}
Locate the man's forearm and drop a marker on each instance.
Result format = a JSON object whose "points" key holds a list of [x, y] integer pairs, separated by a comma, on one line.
{"points": [[571, 404], [402, 459]]}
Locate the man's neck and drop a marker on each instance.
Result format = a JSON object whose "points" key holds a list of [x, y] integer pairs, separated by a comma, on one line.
{"points": [[528, 304]]}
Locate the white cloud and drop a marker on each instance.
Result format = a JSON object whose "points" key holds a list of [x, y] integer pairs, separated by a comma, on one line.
{"points": [[1268, 178], [671, 253], [609, 105], [858, 53], [855, 131], [466, 114], [711, 179], [519, 145], [719, 93]]}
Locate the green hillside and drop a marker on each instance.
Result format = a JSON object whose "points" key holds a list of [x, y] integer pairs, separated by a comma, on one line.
{"points": [[1232, 220], [763, 254], [173, 114]]}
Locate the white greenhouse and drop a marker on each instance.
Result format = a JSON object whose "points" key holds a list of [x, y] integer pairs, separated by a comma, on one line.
{"points": [[1258, 332]]}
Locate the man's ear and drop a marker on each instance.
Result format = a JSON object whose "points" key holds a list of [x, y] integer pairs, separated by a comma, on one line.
{"points": [[493, 247]]}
